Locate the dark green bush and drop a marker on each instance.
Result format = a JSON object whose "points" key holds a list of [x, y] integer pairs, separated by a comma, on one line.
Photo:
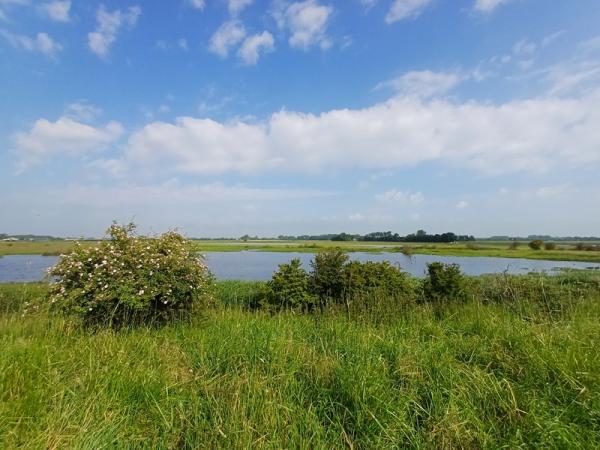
{"points": [[131, 279], [327, 275], [444, 282], [550, 246], [536, 244], [289, 288], [383, 278]]}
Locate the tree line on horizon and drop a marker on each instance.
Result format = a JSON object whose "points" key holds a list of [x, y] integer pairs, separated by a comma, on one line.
{"points": [[384, 236]]}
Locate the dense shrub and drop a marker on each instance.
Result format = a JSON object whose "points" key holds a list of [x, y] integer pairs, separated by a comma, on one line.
{"points": [[130, 279], [536, 244], [550, 246], [289, 288], [327, 275], [444, 282], [366, 278], [514, 245]]}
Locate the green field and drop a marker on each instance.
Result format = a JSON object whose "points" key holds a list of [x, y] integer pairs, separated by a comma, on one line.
{"points": [[516, 366], [564, 251]]}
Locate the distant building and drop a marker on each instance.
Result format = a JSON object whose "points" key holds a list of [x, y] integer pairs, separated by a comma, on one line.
{"points": [[10, 239]]}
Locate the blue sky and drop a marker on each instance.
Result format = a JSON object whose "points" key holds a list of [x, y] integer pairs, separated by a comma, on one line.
{"points": [[226, 117]]}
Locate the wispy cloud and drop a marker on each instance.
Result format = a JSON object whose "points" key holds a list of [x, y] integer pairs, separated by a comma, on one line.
{"points": [[41, 43], [108, 26], [406, 9]]}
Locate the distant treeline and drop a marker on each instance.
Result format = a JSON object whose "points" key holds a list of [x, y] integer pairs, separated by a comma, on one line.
{"points": [[28, 237], [383, 236], [541, 237]]}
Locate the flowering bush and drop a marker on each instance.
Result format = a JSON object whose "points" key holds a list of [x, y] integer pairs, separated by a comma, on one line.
{"points": [[131, 279]]}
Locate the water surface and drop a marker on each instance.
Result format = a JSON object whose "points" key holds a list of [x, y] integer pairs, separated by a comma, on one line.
{"points": [[254, 265]]}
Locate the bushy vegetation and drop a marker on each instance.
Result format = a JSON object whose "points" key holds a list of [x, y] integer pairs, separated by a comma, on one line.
{"points": [[334, 280], [536, 244], [131, 279], [482, 373], [289, 288], [444, 283], [327, 275]]}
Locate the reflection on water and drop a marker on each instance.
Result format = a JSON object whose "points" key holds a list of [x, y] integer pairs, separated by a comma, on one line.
{"points": [[253, 265]]}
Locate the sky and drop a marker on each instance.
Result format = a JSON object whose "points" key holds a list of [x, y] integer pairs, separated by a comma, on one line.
{"points": [[265, 117]]}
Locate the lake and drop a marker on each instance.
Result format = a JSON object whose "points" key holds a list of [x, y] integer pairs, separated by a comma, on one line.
{"points": [[253, 265]]}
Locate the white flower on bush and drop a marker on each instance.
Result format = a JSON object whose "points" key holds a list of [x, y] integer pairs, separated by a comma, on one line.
{"points": [[100, 278]]}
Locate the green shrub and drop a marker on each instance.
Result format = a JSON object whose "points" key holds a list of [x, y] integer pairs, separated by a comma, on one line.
{"points": [[444, 282], [536, 244], [375, 277], [327, 275], [514, 245], [289, 288], [129, 279], [550, 246]]}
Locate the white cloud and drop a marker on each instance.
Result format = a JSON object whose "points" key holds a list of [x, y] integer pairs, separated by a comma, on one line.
{"points": [[307, 23], [42, 43], [4, 4], [58, 10], [462, 204], [236, 6], [423, 83], [250, 50], [406, 9], [523, 135], [65, 136], [183, 44], [201, 146], [198, 4], [524, 48], [550, 39], [402, 197], [108, 26], [487, 6], [227, 36], [82, 112]]}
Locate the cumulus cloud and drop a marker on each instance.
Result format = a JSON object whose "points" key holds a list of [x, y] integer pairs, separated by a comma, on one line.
{"points": [[406, 9], [402, 197], [487, 6], [108, 26], [306, 22], [198, 4], [65, 136], [236, 6], [423, 83], [57, 10], [41, 43], [227, 36], [250, 50], [522, 135]]}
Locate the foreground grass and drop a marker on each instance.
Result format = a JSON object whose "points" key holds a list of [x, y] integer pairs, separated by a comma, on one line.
{"points": [[463, 376], [564, 252]]}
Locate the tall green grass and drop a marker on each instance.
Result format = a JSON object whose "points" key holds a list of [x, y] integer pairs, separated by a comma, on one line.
{"points": [[482, 374]]}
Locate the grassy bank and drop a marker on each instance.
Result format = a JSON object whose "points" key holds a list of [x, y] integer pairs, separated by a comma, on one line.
{"points": [[515, 366], [563, 252]]}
